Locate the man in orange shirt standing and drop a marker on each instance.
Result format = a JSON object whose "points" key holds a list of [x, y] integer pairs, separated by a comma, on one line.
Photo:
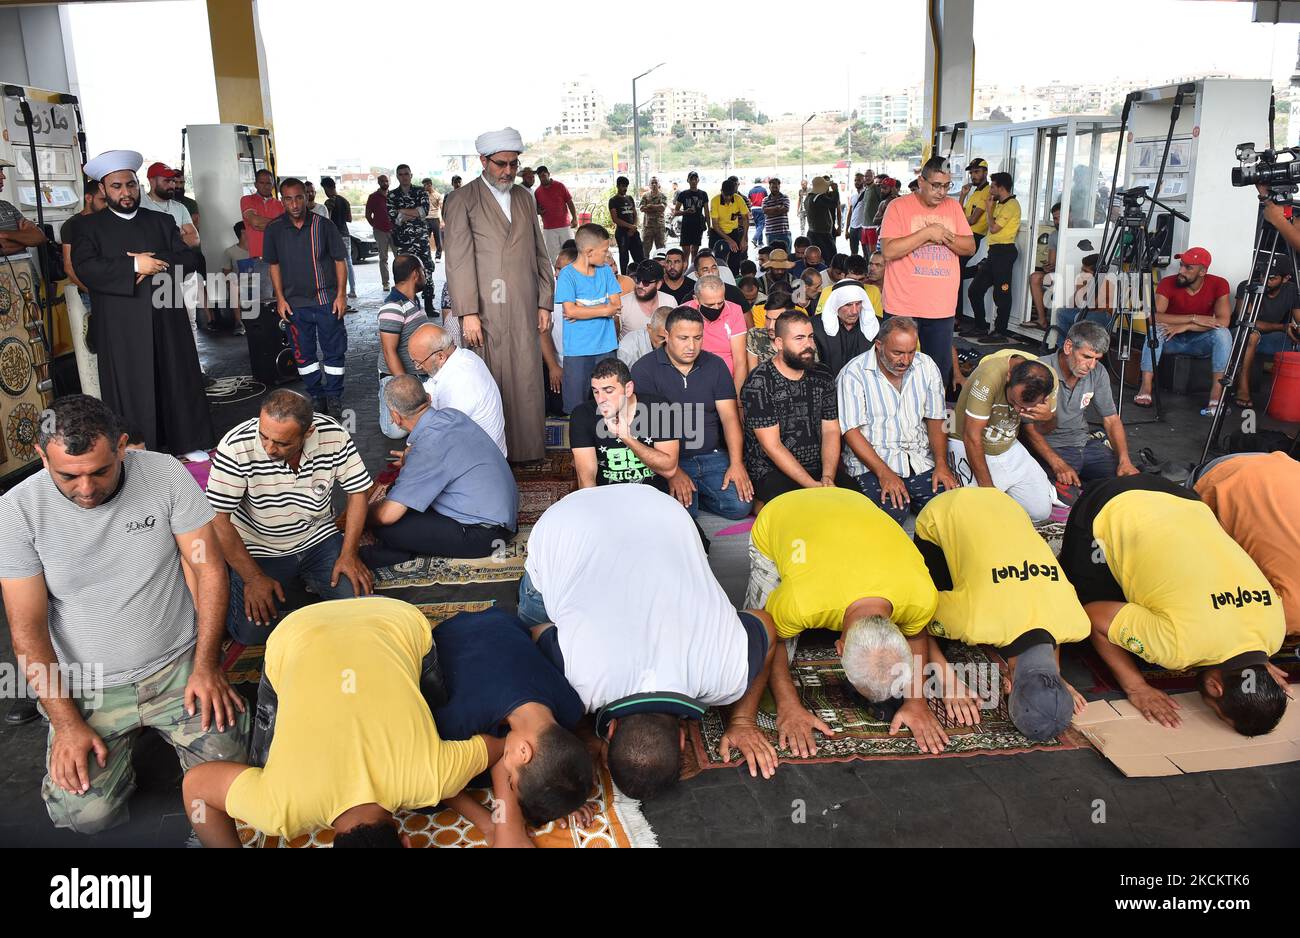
{"points": [[923, 236], [259, 210]]}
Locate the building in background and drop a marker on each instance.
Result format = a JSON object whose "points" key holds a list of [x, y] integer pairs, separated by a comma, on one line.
{"points": [[672, 106], [582, 109], [893, 111]]}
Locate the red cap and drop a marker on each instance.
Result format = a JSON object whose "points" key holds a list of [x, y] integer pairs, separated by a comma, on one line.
{"points": [[162, 169], [1197, 257]]}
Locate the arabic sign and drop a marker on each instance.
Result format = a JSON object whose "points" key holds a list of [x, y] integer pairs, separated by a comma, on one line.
{"points": [[52, 124]]}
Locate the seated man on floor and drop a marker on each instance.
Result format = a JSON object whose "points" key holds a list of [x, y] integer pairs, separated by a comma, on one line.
{"points": [[892, 410], [792, 430], [711, 469], [1160, 579], [344, 737], [846, 326], [459, 379], [638, 623], [271, 481], [1256, 498], [1193, 310], [103, 627], [498, 683], [1069, 452], [1006, 591], [1277, 328], [455, 495], [827, 558], [620, 435], [1006, 389]]}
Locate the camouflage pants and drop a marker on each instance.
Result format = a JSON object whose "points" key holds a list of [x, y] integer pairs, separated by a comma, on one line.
{"points": [[155, 702]]}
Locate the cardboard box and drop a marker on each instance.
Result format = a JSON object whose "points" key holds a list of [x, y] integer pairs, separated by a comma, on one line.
{"points": [[1203, 742]]}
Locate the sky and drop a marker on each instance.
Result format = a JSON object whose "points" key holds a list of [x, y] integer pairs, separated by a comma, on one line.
{"points": [[386, 81]]}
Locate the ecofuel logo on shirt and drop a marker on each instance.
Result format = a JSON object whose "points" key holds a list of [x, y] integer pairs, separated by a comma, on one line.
{"points": [[1243, 597], [1026, 571], [76, 891]]}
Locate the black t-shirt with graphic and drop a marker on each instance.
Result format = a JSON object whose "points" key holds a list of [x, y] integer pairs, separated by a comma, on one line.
{"points": [[615, 461], [798, 407], [623, 207], [694, 203]]}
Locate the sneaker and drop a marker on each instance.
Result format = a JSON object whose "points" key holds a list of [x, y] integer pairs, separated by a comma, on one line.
{"points": [[352, 295], [240, 330]]}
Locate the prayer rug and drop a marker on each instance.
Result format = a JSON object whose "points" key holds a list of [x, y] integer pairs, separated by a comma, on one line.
{"points": [[1287, 658], [859, 734], [543, 483], [619, 823], [507, 563], [247, 668]]}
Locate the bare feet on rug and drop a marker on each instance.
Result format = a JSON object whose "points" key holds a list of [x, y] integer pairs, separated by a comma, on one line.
{"points": [[1155, 705], [916, 716], [794, 726], [754, 748]]}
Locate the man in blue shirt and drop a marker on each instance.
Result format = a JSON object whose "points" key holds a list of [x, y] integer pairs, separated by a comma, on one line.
{"points": [[455, 496]]}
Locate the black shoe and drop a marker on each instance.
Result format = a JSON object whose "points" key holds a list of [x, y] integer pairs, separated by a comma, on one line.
{"points": [[995, 338], [23, 711], [334, 407], [969, 327], [320, 405]]}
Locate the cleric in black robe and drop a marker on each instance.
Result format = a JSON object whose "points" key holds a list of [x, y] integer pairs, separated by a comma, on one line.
{"points": [[148, 365], [846, 327]]}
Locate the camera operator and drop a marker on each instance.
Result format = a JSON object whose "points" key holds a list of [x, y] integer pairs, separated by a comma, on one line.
{"points": [[1275, 215], [1276, 330], [1192, 315]]}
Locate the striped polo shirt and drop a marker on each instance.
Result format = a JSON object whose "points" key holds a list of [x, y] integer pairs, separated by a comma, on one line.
{"points": [[275, 510], [893, 421], [401, 317], [306, 258]]}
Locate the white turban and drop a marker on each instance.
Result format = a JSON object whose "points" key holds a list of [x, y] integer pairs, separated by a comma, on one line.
{"points": [[849, 291], [113, 161], [495, 141]]}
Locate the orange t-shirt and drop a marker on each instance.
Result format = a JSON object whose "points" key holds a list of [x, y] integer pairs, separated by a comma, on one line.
{"points": [[923, 284], [1257, 500]]}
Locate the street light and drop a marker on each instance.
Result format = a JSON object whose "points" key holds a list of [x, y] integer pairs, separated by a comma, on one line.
{"points": [[636, 125], [801, 127]]}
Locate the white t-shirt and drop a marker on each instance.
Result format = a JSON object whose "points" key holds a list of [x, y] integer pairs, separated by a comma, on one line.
{"points": [[632, 318], [175, 209], [660, 623], [465, 384]]}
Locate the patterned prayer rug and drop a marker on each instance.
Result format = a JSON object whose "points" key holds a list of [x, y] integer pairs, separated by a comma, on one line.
{"points": [[619, 823], [247, 668], [859, 734], [507, 563], [543, 483]]}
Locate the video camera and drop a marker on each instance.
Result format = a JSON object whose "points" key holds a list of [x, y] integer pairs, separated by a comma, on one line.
{"points": [[1266, 167]]}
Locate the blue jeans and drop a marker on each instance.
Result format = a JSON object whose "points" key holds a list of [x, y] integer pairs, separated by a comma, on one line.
{"points": [[307, 326], [1270, 343], [919, 487], [784, 237], [575, 387], [532, 608], [1215, 345], [706, 471], [347, 254], [386, 425], [759, 220], [1094, 460], [314, 566], [1067, 316]]}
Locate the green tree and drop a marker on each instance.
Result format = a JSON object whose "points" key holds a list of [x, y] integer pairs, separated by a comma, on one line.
{"points": [[867, 141], [619, 116], [679, 130]]}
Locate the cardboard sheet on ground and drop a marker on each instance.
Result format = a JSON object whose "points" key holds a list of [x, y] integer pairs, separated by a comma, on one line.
{"points": [[1203, 743]]}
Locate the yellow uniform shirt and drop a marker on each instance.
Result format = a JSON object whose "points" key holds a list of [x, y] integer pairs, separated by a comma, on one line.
{"points": [[1195, 598], [1005, 580], [759, 312], [833, 547], [985, 396], [1007, 215], [352, 727], [725, 217], [978, 198]]}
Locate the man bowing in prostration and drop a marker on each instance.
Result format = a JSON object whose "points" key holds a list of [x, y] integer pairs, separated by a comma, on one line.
{"points": [[148, 366], [502, 285]]}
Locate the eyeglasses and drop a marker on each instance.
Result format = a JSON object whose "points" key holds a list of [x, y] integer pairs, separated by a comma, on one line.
{"points": [[419, 363], [502, 164]]}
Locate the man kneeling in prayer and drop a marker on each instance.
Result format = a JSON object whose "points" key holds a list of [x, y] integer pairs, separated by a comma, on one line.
{"points": [[499, 683], [1161, 579], [352, 740], [827, 558], [1000, 585], [626, 606]]}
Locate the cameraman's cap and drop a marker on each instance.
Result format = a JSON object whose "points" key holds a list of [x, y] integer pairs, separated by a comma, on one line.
{"points": [[1197, 257], [649, 272], [977, 164]]}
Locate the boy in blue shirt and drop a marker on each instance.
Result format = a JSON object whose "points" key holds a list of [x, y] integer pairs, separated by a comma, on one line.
{"points": [[590, 296]]}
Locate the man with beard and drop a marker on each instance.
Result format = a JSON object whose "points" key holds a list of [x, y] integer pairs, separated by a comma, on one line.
{"points": [[408, 207], [846, 327], [148, 364], [675, 283], [164, 183], [459, 379], [692, 206], [399, 318], [381, 225], [502, 285], [792, 427], [640, 305], [261, 208]]}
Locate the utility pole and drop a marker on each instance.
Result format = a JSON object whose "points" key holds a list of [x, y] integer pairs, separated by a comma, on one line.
{"points": [[636, 126]]}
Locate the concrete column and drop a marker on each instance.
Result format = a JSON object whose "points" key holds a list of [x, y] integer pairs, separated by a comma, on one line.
{"points": [[949, 65], [239, 63]]}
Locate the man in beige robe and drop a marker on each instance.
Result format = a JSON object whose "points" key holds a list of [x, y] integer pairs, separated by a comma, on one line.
{"points": [[502, 286]]}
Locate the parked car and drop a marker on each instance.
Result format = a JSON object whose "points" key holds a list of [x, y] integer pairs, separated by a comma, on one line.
{"points": [[363, 241]]}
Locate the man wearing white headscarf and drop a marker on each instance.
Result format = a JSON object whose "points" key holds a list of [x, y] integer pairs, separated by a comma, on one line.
{"points": [[502, 286], [846, 327]]}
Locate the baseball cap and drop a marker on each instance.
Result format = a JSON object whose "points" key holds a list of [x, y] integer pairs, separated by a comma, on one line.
{"points": [[1196, 256], [649, 271], [162, 169], [1040, 706], [977, 164]]}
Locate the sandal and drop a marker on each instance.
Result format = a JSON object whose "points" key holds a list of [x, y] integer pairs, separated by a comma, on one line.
{"points": [[1142, 400], [1244, 403], [1211, 409]]}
